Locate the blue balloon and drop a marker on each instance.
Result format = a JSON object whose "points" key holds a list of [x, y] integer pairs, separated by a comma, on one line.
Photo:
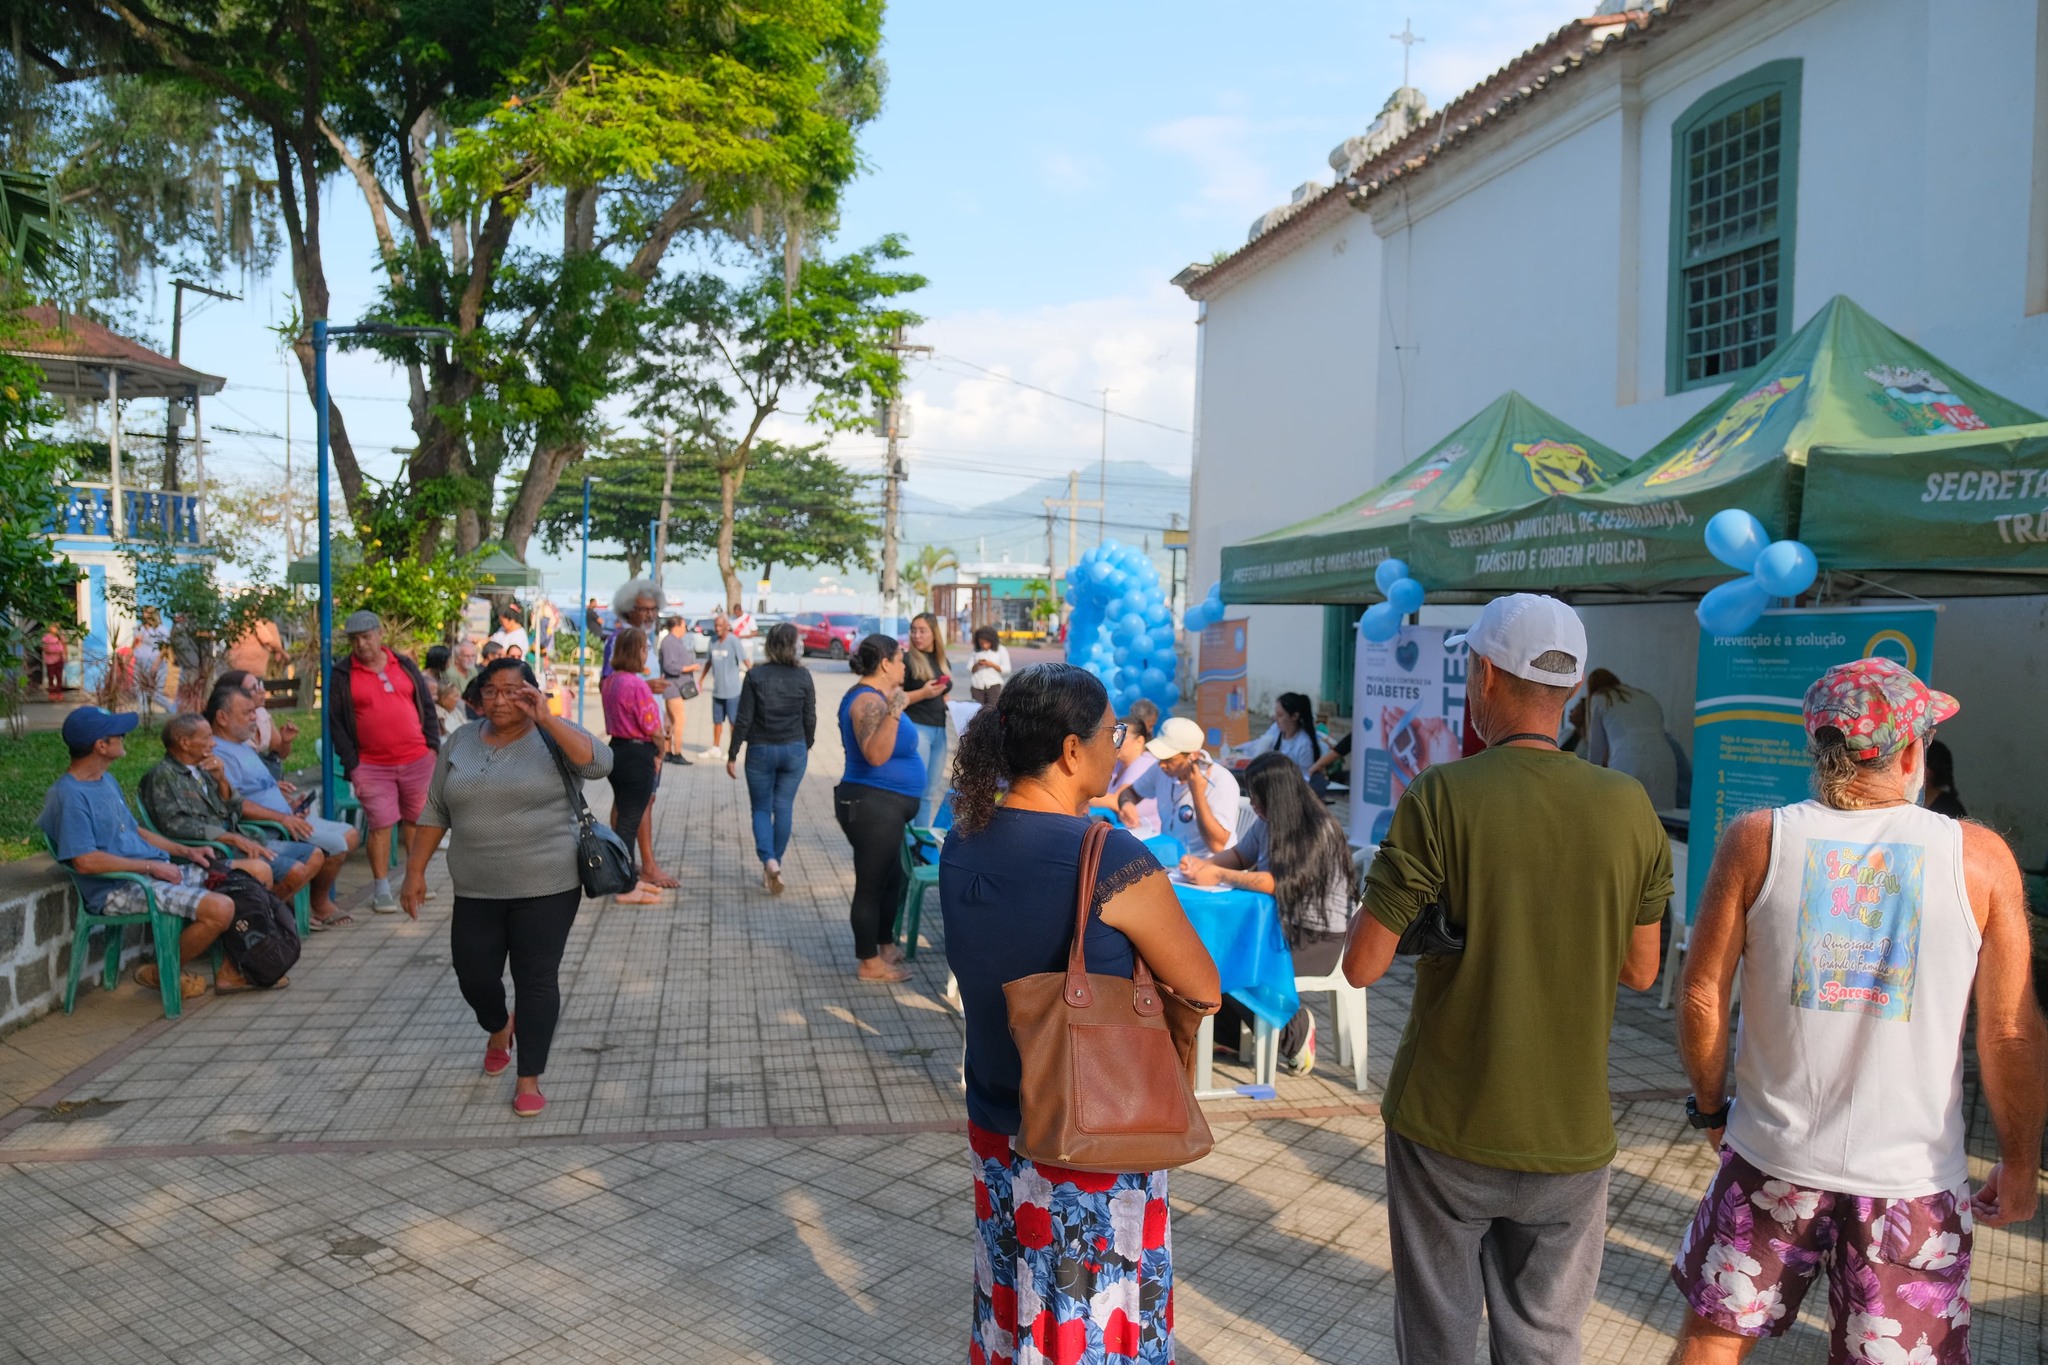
{"points": [[1736, 538], [1786, 568], [1156, 614], [1099, 572], [1380, 622], [1135, 625], [1405, 595], [1389, 572], [1151, 680], [1733, 607], [1123, 656]]}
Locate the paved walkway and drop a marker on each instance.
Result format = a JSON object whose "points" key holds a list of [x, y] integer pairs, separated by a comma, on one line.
{"points": [[747, 1156]]}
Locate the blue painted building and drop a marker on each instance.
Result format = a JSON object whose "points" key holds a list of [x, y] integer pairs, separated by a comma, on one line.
{"points": [[83, 361]]}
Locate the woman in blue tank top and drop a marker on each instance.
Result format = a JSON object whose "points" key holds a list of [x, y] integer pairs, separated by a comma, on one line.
{"points": [[875, 800]]}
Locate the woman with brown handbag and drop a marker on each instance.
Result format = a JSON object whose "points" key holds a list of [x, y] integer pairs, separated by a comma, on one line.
{"points": [[1078, 1261]]}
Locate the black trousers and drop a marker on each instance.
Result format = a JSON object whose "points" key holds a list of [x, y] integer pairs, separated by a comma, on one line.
{"points": [[1314, 955], [531, 931], [636, 771], [873, 821]]}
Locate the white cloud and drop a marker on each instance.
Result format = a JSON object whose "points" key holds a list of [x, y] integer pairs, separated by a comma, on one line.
{"points": [[977, 436], [1233, 175]]}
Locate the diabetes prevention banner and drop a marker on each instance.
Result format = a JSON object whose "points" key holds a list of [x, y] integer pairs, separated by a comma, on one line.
{"points": [[1749, 735], [1408, 709]]}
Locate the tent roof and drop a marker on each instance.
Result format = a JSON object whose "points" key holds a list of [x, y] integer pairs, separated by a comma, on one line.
{"points": [[1843, 379], [1508, 453], [75, 354], [499, 569], [1961, 513]]}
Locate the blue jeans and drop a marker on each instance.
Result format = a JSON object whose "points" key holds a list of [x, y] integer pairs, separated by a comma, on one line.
{"points": [[931, 743], [773, 772]]}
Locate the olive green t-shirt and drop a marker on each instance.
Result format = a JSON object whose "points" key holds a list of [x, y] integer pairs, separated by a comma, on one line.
{"points": [[1549, 863]]}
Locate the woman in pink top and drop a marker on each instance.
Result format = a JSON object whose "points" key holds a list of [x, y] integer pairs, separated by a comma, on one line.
{"points": [[634, 723]]}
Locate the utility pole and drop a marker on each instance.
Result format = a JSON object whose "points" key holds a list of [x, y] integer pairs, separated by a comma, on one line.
{"points": [[894, 473], [668, 483], [1101, 473], [1073, 503], [174, 425]]}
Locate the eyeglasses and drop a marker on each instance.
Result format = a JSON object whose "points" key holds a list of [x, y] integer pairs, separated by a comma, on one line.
{"points": [[501, 693], [1118, 733]]}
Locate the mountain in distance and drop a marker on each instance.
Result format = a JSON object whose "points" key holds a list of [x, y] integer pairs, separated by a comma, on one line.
{"points": [[1142, 500]]}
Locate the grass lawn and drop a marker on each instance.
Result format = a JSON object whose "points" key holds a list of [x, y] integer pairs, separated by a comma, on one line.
{"points": [[29, 765]]}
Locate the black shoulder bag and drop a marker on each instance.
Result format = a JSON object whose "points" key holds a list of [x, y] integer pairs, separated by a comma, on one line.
{"points": [[604, 864], [1431, 933]]}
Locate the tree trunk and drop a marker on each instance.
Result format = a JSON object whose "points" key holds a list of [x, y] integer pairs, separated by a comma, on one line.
{"points": [[309, 275], [728, 495], [767, 576], [635, 561], [543, 475]]}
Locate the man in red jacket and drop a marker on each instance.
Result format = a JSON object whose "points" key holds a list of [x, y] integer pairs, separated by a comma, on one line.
{"points": [[385, 735]]}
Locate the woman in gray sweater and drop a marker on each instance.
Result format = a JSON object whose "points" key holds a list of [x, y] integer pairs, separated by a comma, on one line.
{"points": [[514, 868]]}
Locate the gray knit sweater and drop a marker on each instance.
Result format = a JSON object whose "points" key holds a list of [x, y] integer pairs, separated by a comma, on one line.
{"points": [[514, 834]]}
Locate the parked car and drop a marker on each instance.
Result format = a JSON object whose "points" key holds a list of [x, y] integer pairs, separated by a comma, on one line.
{"points": [[831, 633]]}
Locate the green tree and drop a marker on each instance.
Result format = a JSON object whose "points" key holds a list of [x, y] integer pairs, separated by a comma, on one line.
{"points": [[189, 594], [724, 357], [36, 586], [404, 572], [930, 562], [527, 169], [798, 508]]}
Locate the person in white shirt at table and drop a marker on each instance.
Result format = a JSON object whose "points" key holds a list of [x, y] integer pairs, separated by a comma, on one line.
{"points": [[1293, 733], [1197, 799]]}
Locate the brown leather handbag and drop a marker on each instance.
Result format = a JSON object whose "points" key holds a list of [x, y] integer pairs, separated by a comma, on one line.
{"points": [[1107, 1082]]}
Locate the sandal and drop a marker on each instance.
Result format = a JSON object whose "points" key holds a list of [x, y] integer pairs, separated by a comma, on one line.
{"points": [[332, 921], [191, 984]]}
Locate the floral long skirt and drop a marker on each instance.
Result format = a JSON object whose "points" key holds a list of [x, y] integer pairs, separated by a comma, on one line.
{"points": [[1070, 1267]]}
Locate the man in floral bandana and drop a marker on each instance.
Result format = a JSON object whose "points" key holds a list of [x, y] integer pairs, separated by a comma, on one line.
{"points": [[1864, 926]]}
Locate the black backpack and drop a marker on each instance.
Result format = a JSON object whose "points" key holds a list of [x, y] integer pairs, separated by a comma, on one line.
{"points": [[262, 939]]}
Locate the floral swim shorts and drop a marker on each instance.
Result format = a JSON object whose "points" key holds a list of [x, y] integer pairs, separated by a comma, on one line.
{"points": [[1898, 1269]]}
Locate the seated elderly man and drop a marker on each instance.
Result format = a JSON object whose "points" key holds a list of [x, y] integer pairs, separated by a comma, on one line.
{"points": [[189, 798], [91, 831], [232, 714]]}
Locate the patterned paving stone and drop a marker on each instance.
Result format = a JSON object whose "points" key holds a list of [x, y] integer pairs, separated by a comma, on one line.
{"points": [[748, 1156]]}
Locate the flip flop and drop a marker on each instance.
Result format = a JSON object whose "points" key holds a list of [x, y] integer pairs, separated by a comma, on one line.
{"points": [[332, 921]]}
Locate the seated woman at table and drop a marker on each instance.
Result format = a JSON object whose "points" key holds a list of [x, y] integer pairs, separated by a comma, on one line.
{"points": [[1293, 733], [1296, 853], [1141, 722], [1007, 882]]}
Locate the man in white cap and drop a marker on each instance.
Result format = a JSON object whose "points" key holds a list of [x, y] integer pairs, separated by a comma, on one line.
{"points": [[1197, 799], [1538, 881], [1865, 926]]}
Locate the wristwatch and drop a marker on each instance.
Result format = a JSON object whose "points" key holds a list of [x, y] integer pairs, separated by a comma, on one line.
{"points": [[1717, 1119]]}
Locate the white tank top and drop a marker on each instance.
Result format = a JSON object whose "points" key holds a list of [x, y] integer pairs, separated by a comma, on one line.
{"points": [[1858, 962]]}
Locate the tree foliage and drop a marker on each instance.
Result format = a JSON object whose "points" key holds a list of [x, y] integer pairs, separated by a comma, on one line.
{"points": [[798, 508], [404, 571], [722, 358], [527, 168], [929, 562]]}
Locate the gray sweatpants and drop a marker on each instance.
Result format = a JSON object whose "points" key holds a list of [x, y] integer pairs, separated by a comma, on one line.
{"points": [[1526, 1244]]}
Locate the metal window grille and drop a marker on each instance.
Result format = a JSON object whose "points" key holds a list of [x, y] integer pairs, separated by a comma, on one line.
{"points": [[1731, 239]]}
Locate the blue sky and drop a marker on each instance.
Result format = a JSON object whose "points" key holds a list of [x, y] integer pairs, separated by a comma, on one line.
{"points": [[1052, 166]]}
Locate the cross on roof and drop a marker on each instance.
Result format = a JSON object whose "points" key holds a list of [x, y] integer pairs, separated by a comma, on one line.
{"points": [[1407, 39]]}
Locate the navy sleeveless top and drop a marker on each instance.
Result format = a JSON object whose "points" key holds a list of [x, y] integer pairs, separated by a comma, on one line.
{"points": [[902, 772], [1008, 898]]}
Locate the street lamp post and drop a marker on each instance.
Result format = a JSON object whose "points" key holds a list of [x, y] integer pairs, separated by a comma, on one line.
{"points": [[321, 334]]}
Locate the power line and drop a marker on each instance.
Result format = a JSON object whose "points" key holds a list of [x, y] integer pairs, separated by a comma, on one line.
{"points": [[346, 397], [943, 357]]}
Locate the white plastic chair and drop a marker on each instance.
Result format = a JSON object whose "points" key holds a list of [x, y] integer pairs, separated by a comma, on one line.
{"points": [[1347, 1006]]}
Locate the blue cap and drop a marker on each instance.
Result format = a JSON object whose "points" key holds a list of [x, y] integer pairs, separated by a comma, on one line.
{"points": [[89, 724]]}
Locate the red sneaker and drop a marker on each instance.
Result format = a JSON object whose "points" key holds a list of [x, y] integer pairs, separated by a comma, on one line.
{"points": [[527, 1105]]}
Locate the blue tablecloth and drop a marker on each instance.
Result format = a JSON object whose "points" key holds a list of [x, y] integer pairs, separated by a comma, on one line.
{"points": [[1241, 930]]}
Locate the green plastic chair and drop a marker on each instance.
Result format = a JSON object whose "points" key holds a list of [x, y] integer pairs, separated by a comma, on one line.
{"points": [[164, 930], [302, 899], [919, 876]]}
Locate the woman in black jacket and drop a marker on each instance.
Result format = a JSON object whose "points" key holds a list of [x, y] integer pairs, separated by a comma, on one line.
{"points": [[778, 722]]}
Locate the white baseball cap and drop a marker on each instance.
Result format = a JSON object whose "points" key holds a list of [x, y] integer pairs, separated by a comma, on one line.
{"points": [[1512, 632], [1177, 736]]}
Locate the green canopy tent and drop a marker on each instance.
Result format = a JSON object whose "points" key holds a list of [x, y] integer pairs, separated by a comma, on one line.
{"points": [[1507, 454], [1842, 379], [498, 569], [1959, 515], [306, 572]]}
